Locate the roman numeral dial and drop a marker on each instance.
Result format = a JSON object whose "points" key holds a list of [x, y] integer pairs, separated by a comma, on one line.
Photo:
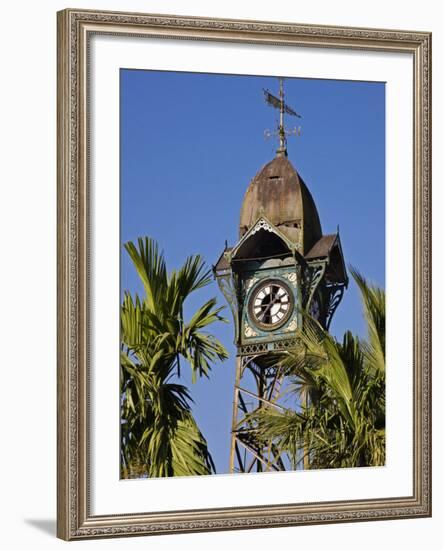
{"points": [[271, 304]]}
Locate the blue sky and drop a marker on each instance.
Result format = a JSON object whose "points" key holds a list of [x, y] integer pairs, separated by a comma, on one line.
{"points": [[191, 143]]}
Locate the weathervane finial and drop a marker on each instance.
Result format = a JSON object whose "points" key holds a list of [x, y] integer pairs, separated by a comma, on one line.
{"points": [[281, 132]]}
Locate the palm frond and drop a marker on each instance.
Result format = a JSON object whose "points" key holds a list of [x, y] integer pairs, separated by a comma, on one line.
{"points": [[159, 435], [343, 421]]}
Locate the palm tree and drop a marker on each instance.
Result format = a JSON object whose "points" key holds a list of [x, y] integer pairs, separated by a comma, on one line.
{"points": [[159, 435], [341, 422]]}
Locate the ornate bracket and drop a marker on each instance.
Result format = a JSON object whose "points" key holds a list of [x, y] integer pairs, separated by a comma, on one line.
{"points": [[314, 275], [335, 297], [227, 285]]}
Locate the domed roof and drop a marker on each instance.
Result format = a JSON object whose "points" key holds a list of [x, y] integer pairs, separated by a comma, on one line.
{"points": [[279, 193]]}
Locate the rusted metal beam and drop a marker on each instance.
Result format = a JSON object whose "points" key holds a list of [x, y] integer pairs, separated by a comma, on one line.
{"points": [[261, 399]]}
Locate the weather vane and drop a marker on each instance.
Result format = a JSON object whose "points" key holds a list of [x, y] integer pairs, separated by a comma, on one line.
{"points": [[281, 132]]}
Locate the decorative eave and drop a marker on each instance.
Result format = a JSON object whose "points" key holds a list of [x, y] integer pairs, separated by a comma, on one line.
{"points": [[342, 259], [322, 247], [323, 251], [223, 264], [262, 224]]}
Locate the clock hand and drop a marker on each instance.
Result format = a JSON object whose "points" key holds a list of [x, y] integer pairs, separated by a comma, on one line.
{"points": [[273, 301]]}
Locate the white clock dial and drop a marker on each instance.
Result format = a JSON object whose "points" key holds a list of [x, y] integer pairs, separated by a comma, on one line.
{"points": [[271, 304]]}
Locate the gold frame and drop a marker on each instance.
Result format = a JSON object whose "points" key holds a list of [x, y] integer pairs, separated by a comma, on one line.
{"points": [[74, 520]]}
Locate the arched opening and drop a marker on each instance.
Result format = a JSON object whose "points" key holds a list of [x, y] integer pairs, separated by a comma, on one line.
{"points": [[262, 245]]}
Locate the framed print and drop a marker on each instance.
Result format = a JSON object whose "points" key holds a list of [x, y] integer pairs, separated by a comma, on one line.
{"points": [[243, 274]]}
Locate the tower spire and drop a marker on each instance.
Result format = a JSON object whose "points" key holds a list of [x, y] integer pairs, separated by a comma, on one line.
{"points": [[282, 151], [281, 132]]}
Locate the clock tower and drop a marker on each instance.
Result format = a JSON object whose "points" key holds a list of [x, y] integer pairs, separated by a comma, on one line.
{"points": [[281, 267]]}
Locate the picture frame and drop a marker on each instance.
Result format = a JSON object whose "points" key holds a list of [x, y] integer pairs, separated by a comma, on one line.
{"points": [[76, 29]]}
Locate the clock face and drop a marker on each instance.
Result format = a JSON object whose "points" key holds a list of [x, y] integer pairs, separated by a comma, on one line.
{"points": [[271, 304]]}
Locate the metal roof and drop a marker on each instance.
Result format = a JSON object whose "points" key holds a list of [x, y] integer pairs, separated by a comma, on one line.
{"points": [[322, 247], [222, 262], [279, 193]]}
